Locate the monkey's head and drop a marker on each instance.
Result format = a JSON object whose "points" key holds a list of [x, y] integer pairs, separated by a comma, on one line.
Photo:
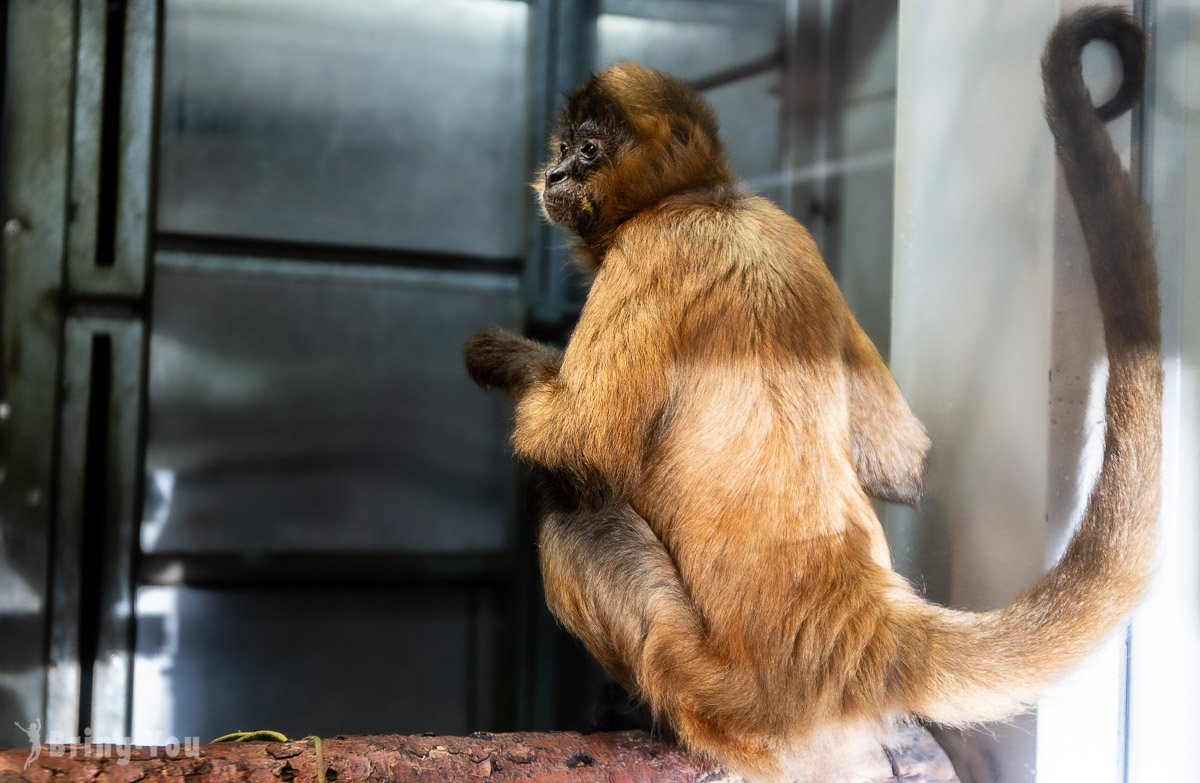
{"points": [[628, 137]]}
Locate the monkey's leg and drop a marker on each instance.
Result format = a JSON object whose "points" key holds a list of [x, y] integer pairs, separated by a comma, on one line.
{"points": [[607, 577], [891, 448], [612, 583]]}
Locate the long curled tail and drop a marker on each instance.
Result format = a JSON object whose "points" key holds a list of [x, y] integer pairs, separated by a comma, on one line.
{"points": [[991, 665]]}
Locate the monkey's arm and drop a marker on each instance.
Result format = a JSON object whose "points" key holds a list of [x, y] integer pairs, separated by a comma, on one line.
{"points": [[592, 419], [498, 359], [890, 446]]}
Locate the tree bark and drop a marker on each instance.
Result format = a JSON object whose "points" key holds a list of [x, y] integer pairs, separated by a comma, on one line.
{"points": [[619, 757]]}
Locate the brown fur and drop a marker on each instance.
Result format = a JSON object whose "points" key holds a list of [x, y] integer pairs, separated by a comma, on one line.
{"points": [[706, 442]]}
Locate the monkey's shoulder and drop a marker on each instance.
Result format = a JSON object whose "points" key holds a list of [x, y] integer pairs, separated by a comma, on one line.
{"points": [[726, 215], [731, 239]]}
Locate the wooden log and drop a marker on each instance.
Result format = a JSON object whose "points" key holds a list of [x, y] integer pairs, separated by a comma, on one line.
{"points": [[618, 757]]}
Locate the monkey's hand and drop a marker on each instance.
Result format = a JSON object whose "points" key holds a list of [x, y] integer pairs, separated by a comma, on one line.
{"points": [[497, 359]]}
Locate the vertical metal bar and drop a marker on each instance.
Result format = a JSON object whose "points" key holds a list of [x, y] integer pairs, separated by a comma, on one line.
{"points": [[788, 101], [85, 141], [542, 27], [1163, 712], [834, 62], [803, 102], [564, 40], [63, 671], [36, 142], [111, 189], [542, 15], [139, 95], [1143, 11], [112, 675], [90, 660]]}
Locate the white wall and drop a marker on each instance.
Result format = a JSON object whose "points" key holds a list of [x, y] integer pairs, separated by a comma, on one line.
{"points": [[995, 340]]}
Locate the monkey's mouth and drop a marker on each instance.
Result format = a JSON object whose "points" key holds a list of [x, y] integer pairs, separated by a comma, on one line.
{"points": [[564, 205]]}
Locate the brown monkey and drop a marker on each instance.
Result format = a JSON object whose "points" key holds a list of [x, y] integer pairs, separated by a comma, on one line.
{"points": [[703, 444]]}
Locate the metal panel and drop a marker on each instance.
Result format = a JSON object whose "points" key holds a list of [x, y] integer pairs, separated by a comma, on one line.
{"points": [[120, 268], [309, 662], [36, 141], [711, 12], [299, 406], [688, 48], [99, 477], [358, 123]]}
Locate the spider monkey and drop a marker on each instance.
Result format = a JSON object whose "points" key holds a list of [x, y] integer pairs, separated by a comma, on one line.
{"points": [[705, 446]]}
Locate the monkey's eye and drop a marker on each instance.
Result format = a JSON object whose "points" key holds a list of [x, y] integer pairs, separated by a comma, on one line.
{"points": [[562, 149], [589, 150]]}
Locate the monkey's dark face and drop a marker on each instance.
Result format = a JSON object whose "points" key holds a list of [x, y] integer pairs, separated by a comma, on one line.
{"points": [[566, 197], [586, 143]]}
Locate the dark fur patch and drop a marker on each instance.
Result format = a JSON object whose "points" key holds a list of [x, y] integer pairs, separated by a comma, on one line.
{"points": [[590, 103]]}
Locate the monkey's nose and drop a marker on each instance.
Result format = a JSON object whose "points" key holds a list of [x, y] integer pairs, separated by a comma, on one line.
{"points": [[556, 175]]}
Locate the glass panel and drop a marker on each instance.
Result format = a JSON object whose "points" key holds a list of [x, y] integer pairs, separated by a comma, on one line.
{"points": [[300, 406], [355, 122], [302, 662]]}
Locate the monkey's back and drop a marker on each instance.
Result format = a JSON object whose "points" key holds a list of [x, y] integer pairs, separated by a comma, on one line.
{"points": [[751, 465]]}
